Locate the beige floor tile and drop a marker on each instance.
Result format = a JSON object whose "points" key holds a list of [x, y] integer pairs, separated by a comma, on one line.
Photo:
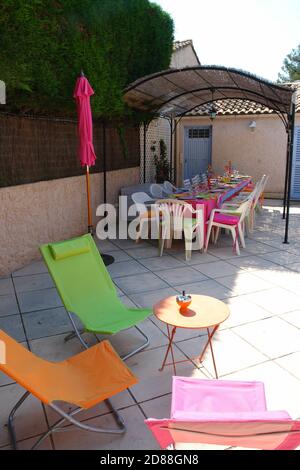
{"points": [[244, 283], [242, 312], [137, 435], [291, 363], [276, 300], [29, 419], [152, 381], [272, 336], [282, 389], [292, 317], [231, 352]]}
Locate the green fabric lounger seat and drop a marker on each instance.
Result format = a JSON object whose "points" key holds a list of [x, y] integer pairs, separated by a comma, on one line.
{"points": [[87, 290]]}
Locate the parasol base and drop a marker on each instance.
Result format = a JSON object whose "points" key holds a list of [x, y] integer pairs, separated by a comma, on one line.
{"points": [[107, 259]]}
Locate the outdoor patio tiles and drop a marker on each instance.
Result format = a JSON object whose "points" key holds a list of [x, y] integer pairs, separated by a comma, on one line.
{"points": [[242, 312], [125, 341], [136, 437], [244, 283], [257, 248], [36, 267], [105, 246], [128, 244], [8, 305], [280, 276], [148, 299], [141, 283], [252, 263], [282, 389], [292, 317], [26, 444], [125, 268], [217, 269], [225, 252], [6, 286], [158, 407], [272, 336], [281, 257], [29, 420], [48, 322], [38, 300], [177, 275], [119, 255], [291, 363], [294, 266], [153, 382], [275, 300], [210, 287], [143, 252], [231, 352], [160, 263], [33, 282], [12, 325], [197, 258]]}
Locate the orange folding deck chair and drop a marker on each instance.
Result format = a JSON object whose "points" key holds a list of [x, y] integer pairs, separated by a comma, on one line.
{"points": [[83, 380]]}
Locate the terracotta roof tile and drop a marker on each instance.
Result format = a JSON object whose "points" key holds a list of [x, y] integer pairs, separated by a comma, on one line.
{"points": [[238, 107]]}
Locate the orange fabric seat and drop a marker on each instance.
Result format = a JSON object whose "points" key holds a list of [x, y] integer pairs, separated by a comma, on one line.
{"points": [[84, 380]]}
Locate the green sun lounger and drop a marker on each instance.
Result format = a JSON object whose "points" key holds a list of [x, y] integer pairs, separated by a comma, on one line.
{"points": [[87, 290]]}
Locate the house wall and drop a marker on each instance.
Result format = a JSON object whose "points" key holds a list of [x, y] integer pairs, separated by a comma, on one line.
{"points": [[183, 57], [50, 211], [253, 153]]}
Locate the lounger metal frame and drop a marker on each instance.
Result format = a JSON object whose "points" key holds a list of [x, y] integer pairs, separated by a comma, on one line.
{"points": [[56, 427]]}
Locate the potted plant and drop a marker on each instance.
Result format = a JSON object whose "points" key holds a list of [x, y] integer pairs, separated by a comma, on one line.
{"points": [[162, 163]]}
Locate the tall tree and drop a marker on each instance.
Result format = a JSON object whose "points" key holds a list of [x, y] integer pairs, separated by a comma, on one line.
{"points": [[291, 67], [45, 44]]}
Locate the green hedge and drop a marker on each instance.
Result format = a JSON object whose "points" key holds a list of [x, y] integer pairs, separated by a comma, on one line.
{"points": [[45, 44]]}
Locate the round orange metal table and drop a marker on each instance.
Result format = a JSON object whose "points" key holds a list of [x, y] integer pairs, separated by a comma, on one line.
{"points": [[203, 312]]}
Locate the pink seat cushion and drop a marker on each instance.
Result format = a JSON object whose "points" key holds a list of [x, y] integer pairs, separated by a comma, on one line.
{"points": [[226, 219]]}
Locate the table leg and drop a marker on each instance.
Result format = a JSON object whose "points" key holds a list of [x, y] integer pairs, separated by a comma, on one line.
{"points": [[209, 343], [212, 352], [170, 337]]}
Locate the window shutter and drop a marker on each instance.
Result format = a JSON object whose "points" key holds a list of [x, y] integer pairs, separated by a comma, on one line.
{"points": [[295, 189]]}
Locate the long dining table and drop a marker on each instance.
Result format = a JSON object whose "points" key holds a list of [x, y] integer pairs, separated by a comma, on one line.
{"points": [[213, 198]]}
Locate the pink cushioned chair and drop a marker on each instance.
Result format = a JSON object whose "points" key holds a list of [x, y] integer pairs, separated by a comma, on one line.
{"points": [[226, 413], [233, 220]]}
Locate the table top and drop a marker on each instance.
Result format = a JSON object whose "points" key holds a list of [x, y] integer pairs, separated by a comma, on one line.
{"points": [[203, 312]]}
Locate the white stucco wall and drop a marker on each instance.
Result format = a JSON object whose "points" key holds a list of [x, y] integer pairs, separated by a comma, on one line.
{"points": [[54, 210], [184, 57]]}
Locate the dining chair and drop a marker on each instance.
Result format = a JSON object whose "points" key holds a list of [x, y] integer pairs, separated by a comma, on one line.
{"points": [[168, 187], [231, 219], [146, 216], [196, 179], [156, 191], [176, 218], [187, 183]]}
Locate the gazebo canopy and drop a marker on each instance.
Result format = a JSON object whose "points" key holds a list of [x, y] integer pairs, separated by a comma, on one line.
{"points": [[176, 92]]}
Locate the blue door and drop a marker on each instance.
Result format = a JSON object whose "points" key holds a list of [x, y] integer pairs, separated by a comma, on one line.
{"points": [[295, 188], [197, 150]]}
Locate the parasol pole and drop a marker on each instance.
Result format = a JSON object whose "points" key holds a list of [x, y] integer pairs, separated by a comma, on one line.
{"points": [[88, 193]]}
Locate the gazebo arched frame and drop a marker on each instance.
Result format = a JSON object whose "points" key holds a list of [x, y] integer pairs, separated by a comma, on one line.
{"points": [[174, 93]]}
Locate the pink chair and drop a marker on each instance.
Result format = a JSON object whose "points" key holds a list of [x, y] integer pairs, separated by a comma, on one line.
{"points": [[226, 413]]}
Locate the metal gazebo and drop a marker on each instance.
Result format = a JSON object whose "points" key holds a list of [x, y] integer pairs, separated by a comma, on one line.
{"points": [[174, 93]]}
